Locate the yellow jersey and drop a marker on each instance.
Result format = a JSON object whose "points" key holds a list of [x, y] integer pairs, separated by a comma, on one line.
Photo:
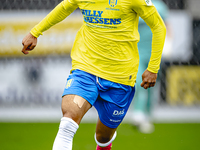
{"points": [[106, 44]]}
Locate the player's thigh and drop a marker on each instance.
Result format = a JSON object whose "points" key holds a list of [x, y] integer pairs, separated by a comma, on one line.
{"points": [[74, 107], [104, 133]]}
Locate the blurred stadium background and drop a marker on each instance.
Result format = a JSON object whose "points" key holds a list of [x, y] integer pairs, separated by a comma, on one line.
{"points": [[31, 86]]}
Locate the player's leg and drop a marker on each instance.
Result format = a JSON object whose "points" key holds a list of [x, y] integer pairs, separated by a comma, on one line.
{"points": [[110, 117], [73, 107], [112, 105], [104, 136]]}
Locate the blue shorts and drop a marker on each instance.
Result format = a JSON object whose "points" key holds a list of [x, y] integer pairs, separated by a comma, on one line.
{"points": [[110, 99]]}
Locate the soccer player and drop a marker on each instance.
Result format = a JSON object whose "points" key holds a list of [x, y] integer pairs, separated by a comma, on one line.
{"points": [[105, 62], [143, 99]]}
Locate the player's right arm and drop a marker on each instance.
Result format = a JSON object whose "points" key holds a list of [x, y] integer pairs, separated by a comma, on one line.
{"points": [[59, 13]]}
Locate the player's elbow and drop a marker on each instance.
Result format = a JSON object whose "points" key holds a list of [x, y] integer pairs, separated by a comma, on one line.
{"points": [[163, 29], [160, 28]]}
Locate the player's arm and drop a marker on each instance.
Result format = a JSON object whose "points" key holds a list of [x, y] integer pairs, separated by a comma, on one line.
{"points": [[158, 29], [149, 14], [59, 13]]}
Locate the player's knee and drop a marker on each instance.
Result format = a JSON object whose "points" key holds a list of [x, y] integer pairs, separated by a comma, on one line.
{"points": [[72, 114], [70, 109]]}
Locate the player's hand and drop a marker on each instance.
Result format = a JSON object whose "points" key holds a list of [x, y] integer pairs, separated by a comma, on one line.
{"points": [[148, 79], [29, 42]]}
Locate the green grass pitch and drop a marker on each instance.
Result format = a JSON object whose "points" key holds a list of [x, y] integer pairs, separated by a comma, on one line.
{"points": [[40, 136]]}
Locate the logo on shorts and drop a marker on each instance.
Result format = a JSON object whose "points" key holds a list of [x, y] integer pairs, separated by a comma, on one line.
{"points": [[69, 82], [117, 113], [112, 3]]}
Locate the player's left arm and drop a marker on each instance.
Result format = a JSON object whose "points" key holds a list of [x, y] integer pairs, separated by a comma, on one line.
{"points": [[158, 29], [150, 15]]}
